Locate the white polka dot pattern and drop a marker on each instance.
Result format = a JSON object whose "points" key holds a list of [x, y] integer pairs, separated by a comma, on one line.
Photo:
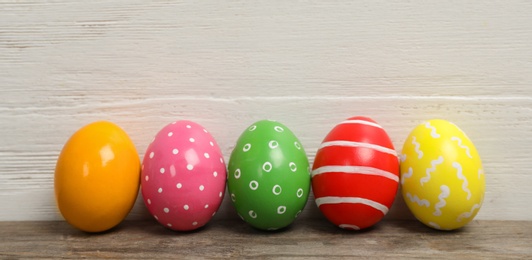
{"points": [[182, 185]]}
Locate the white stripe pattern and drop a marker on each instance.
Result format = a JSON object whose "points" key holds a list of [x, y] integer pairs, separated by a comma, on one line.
{"points": [[349, 226], [361, 122], [352, 200], [356, 170], [359, 145]]}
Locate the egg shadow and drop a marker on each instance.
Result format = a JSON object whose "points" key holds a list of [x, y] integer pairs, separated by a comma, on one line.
{"points": [[323, 226], [156, 229], [317, 222], [240, 227], [65, 230], [416, 227]]}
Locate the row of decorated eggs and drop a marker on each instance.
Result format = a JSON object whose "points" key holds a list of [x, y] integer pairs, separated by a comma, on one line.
{"points": [[355, 176]]}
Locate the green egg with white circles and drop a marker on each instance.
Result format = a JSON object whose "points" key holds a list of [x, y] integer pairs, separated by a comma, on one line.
{"points": [[268, 176]]}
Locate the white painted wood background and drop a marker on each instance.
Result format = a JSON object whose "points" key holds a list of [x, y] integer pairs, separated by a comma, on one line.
{"points": [[143, 64]]}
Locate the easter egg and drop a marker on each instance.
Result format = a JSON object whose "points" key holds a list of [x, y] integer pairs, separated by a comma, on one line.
{"points": [[355, 174], [268, 176], [96, 178], [183, 176], [441, 175]]}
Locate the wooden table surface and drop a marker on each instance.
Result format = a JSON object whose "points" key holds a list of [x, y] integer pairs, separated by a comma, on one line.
{"points": [[310, 238]]}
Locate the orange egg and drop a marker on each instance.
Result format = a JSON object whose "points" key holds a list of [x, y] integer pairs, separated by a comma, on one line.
{"points": [[97, 177]]}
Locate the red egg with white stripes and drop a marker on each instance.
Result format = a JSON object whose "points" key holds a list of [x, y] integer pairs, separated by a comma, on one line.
{"points": [[355, 175], [183, 176]]}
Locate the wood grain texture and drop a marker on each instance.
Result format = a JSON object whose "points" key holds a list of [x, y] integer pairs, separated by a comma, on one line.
{"points": [[235, 239], [307, 64]]}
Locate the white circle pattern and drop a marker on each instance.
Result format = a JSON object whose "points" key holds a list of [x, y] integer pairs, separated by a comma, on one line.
{"points": [[277, 190], [254, 185], [267, 166], [300, 193], [293, 166], [252, 214]]}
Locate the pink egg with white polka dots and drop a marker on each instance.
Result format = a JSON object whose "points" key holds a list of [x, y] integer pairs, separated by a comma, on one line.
{"points": [[183, 176]]}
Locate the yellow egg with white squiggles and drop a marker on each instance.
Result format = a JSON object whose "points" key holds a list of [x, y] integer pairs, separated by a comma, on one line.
{"points": [[442, 178]]}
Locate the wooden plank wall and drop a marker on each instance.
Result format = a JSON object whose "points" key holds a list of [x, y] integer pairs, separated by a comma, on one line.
{"points": [[308, 64]]}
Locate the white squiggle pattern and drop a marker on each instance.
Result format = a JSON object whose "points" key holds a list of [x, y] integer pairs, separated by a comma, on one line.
{"points": [[434, 225], [480, 172], [433, 132], [402, 157], [419, 152], [459, 141], [415, 199], [445, 191], [407, 175], [466, 215], [461, 176], [430, 170]]}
